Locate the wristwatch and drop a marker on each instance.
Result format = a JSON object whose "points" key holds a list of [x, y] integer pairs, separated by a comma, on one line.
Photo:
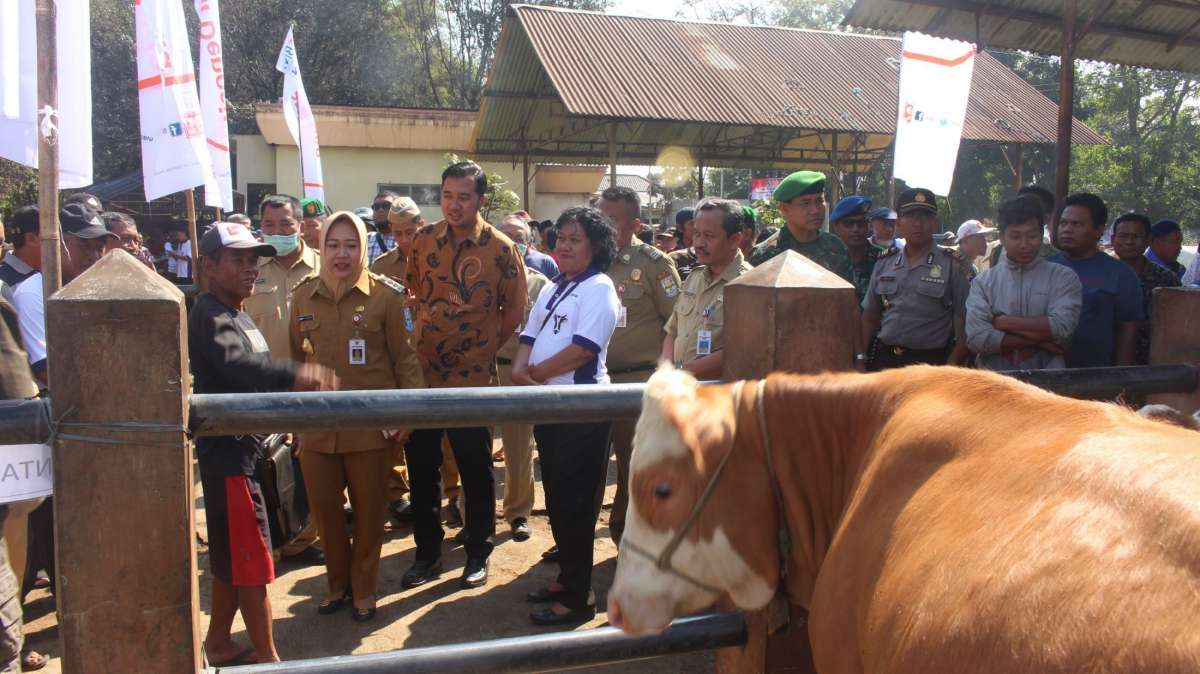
{"points": [[860, 356]]}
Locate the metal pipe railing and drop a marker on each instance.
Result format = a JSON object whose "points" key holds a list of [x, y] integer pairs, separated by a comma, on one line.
{"points": [[539, 653], [27, 421]]}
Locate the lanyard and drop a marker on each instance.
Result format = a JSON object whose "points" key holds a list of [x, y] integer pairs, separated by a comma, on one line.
{"points": [[562, 291]]}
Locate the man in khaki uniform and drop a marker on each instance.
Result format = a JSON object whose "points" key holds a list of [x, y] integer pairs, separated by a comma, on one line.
{"points": [[695, 336], [404, 219], [518, 438], [647, 284], [270, 305]]}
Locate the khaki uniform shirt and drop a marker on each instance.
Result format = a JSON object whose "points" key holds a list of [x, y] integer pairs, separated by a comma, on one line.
{"points": [[535, 281], [392, 264], [647, 285], [270, 305], [321, 331], [918, 304], [702, 307], [464, 290]]}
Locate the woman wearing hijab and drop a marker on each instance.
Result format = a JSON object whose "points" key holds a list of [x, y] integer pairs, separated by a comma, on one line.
{"points": [[565, 341], [357, 324]]}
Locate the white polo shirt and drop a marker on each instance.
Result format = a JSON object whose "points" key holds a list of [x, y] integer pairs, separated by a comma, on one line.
{"points": [[31, 316], [581, 312]]}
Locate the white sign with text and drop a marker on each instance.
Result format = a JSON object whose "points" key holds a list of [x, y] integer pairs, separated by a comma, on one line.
{"points": [[26, 471]]}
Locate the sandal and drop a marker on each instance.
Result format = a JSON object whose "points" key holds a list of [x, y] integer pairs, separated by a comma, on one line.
{"points": [[31, 661], [246, 657]]}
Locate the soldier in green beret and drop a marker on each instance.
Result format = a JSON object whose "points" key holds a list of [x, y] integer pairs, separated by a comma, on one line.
{"points": [[314, 213], [801, 198], [750, 231]]}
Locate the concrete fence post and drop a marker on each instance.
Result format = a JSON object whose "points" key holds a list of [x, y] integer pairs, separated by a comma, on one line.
{"points": [[789, 314], [1175, 339], [123, 497]]}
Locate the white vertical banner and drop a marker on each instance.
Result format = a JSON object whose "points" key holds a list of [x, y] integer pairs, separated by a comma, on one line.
{"points": [[20, 120], [300, 121], [212, 103], [935, 82], [174, 146]]}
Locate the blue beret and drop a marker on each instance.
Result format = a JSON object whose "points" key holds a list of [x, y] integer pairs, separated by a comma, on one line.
{"points": [[850, 206], [882, 213], [1163, 228], [799, 184], [684, 214]]}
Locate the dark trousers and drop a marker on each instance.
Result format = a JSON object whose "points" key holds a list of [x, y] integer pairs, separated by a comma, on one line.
{"points": [[574, 460], [472, 449], [887, 357]]}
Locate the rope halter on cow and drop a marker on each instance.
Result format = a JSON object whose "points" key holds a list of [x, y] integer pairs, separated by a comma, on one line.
{"points": [[662, 561]]}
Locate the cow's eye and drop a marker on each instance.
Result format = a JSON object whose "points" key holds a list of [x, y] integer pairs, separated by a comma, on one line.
{"points": [[663, 490]]}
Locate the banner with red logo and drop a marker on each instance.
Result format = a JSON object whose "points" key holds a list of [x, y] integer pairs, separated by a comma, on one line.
{"points": [[935, 82], [762, 189], [300, 121], [212, 103], [174, 145]]}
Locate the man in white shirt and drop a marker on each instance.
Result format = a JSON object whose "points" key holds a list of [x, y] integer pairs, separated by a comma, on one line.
{"points": [[84, 236]]}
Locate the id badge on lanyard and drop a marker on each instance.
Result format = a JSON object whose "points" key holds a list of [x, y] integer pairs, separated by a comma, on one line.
{"points": [[704, 342], [358, 351]]}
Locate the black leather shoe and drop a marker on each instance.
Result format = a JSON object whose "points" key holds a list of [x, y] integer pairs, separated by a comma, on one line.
{"points": [[550, 555], [400, 511], [461, 537], [544, 595], [548, 618], [421, 572], [334, 605], [454, 516], [475, 573], [521, 530]]}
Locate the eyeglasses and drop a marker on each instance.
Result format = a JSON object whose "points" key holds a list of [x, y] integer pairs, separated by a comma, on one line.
{"points": [[381, 206]]}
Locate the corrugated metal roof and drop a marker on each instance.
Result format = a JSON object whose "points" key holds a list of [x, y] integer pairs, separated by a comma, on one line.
{"points": [[1150, 33], [733, 94], [633, 182]]}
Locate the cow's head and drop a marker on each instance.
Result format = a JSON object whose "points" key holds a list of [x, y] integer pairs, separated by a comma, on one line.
{"points": [[683, 433]]}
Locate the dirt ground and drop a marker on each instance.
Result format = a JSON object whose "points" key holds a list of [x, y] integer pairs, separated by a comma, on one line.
{"points": [[438, 613]]}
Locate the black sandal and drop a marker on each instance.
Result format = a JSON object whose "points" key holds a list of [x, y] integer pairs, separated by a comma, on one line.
{"points": [[544, 595], [362, 615], [334, 605]]}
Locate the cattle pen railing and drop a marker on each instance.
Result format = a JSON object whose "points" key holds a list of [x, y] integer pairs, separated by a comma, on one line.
{"points": [[32, 421]]}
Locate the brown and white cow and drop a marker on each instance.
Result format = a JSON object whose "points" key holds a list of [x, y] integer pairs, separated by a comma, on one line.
{"points": [[941, 520]]}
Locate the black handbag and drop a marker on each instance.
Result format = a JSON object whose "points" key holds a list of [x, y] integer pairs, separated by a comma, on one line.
{"points": [[283, 489]]}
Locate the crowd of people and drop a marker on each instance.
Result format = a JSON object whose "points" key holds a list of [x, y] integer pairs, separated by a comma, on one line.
{"points": [[377, 298]]}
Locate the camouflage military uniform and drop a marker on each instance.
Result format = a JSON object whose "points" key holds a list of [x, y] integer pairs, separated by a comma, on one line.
{"points": [[684, 259], [826, 250], [862, 270]]}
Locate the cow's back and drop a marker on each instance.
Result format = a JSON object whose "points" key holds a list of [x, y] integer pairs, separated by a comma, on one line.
{"points": [[1033, 534]]}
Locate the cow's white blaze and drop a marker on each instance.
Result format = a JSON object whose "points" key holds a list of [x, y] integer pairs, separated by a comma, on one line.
{"points": [[648, 597]]}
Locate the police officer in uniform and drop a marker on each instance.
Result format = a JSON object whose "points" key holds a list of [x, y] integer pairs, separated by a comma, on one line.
{"points": [[916, 299], [647, 285]]}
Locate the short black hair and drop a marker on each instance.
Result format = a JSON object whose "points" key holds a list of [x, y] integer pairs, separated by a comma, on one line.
{"points": [[112, 219], [467, 169], [279, 201], [1134, 217], [732, 218], [388, 194], [1093, 203], [1045, 195], [599, 231], [24, 220], [1019, 210], [623, 194]]}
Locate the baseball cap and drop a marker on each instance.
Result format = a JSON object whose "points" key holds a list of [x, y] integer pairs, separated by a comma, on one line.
{"points": [[852, 205], [665, 233], [684, 214], [971, 228], [232, 235], [366, 215], [916, 199], [882, 213], [404, 209], [80, 221], [89, 200], [23, 221]]}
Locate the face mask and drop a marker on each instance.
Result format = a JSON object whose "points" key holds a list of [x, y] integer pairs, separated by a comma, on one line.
{"points": [[283, 243], [521, 248]]}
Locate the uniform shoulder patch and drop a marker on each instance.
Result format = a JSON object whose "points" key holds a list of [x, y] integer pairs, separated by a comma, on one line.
{"points": [[652, 252], [889, 252], [389, 282], [306, 279]]}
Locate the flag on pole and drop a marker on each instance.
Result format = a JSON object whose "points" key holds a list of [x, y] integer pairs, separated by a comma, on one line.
{"points": [[300, 121], [20, 120], [935, 82], [212, 103], [174, 146]]}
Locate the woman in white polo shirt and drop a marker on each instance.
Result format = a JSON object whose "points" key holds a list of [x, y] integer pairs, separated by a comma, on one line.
{"points": [[565, 341]]}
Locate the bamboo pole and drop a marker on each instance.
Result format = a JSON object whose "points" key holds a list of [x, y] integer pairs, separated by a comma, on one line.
{"points": [[189, 200], [47, 88]]}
